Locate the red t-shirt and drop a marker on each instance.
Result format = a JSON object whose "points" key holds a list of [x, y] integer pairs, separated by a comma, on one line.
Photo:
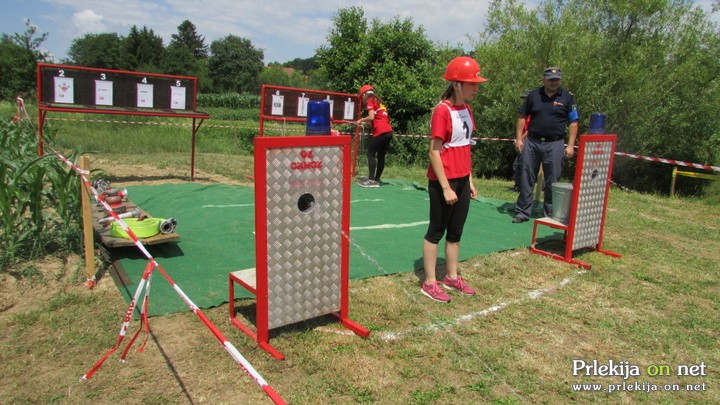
{"points": [[454, 126], [381, 123]]}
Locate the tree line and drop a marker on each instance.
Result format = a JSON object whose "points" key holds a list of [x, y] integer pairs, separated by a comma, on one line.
{"points": [[650, 66]]}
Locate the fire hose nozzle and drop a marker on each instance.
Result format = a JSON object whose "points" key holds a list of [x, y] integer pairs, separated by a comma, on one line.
{"points": [[101, 185], [129, 214], [168, 226]]}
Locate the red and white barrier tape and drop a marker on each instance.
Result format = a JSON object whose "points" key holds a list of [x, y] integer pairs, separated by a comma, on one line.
{"points": [[648, 158], [172, 124], [147, 277], [125, 325], [671, 161], [169, 124], [21, 111], [234, 353], [144, 324], [428, 136], [496, 139], [630, 155], [105, 205]]}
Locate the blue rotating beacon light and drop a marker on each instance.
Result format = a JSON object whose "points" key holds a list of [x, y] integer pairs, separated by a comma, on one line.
{"points": [[318, 118]]}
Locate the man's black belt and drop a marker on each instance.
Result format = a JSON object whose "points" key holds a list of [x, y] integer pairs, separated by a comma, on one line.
{"points": [[546, 138]]}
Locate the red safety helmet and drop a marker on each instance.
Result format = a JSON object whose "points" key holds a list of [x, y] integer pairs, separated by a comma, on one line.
{"points": [[463, 69], [365, 88]]}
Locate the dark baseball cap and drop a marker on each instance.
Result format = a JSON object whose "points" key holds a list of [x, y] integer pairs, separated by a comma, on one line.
{"points": [[552, 73]]}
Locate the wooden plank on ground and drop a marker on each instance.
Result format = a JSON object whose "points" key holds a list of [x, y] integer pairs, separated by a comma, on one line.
{"points": [[103, 231]]}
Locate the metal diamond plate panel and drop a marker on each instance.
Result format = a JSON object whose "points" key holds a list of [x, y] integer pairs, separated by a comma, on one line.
{"points": [[591, 198], [304, 214]]}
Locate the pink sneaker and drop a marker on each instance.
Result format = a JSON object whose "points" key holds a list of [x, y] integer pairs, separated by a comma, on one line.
{"points": [[435, 292], [458, 284]]}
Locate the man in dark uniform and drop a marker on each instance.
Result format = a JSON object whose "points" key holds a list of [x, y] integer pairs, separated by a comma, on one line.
{"points": [[553, 113]]}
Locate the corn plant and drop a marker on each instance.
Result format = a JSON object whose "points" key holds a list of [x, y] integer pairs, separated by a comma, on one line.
{"points": [[39, 198]]}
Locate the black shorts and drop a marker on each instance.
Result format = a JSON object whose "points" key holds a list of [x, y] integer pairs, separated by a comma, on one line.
{"points": [[445, 217]]}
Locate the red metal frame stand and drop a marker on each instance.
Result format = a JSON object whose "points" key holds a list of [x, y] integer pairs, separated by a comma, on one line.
{"points": [[588, 205], [302, 227]]}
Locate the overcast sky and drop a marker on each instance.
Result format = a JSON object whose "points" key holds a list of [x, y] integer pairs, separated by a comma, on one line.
{"points": [[284, 30]]}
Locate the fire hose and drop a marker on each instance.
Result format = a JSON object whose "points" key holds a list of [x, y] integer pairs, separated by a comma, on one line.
{"points": [[143, 227]]}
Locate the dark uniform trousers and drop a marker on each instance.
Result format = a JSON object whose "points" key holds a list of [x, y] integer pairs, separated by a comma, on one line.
{"points": [[549, 153]]}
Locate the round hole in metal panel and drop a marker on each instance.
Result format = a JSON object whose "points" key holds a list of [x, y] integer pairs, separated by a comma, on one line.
{"points": [[306, 202]]}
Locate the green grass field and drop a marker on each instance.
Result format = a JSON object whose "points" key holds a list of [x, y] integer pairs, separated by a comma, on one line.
{"points": [[642, 328]]}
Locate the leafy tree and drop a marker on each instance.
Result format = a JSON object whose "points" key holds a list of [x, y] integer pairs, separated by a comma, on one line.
{"points": [[187, 37], [17, 70], [235, 65], [186, 54], [30, 40], [98, 50], [340, 61], [650, 66], [303, 65], [277, 75], [661, 62], [143, 49], [18, 55], [205, 82], [180, 61], [512, 52], [403, 65], [395, 57]]}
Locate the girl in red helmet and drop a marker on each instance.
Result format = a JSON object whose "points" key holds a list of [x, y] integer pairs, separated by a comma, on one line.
{"points": [[450, 183], [382, 135]]}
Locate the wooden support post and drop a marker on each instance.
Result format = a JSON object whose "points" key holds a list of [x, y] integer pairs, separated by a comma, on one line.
{"points": [[89, 238], [672, 182]]}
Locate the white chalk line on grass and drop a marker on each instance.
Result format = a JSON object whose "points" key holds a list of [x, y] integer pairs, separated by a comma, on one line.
{"points": [[531, 295], [228, 205], [414, 298], [388, 226], [367, 200]]}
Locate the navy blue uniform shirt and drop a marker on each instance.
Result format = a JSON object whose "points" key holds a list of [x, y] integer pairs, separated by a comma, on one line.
{"points": [[549, 116]]}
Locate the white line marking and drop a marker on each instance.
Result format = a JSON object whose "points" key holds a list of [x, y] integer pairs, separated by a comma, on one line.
{"points": [[389, 226], [228, 206], [345, 332], [367, 200], [531, 295]]}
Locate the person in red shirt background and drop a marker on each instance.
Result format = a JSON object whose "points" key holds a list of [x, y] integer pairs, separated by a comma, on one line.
{"points": [[382, 133], [450, 182]]}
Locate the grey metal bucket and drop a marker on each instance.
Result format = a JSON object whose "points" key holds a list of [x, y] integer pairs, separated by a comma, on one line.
{"points": [[561, 197]]}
